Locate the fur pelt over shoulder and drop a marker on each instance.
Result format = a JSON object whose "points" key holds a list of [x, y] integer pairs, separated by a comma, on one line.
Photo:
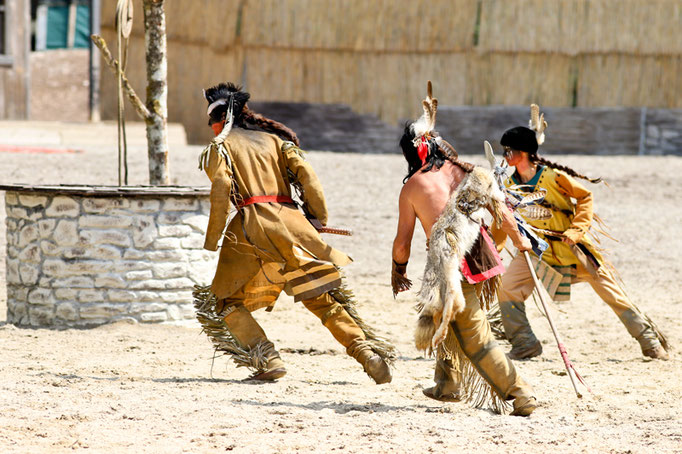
{"points": [[452, 236]]}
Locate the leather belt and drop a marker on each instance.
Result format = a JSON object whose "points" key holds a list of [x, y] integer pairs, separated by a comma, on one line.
{"points": [[266, 199]]}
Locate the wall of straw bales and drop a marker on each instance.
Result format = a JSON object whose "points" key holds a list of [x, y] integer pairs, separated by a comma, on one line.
{"points": [[376, 56]]}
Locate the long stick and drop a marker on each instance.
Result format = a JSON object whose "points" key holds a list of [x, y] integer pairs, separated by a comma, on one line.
{"points": [[570, 369]]}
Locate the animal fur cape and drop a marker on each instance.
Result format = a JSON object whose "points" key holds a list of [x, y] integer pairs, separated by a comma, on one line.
{"points": [[452, 237]]}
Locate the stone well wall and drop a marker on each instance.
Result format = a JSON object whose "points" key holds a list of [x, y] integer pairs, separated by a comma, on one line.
{"points": [[80, 256]]}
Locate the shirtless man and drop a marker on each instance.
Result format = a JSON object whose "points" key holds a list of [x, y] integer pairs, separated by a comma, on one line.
{"points": [[428, 185]]}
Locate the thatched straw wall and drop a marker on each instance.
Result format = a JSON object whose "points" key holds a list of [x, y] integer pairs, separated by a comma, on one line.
{"points": [[376, 56]]}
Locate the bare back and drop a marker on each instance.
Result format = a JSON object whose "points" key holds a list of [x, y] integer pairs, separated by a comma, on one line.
{"points": [[428, 192]]}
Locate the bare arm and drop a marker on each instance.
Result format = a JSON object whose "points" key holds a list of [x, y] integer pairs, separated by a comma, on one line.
{"points": [[407, 219], [402, 244]]}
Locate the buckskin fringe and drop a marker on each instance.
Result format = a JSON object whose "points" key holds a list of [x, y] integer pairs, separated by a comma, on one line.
{"points": [[494, 316], [379, 345], [474, 389], [223, 341]]}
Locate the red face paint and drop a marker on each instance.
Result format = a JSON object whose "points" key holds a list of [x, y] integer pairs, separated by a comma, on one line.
{"points": [[217, 127]]}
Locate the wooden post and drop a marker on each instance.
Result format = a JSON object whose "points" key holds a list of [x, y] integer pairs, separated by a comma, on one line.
{"points": [[71, 30], [157, 92], [95, 21]]}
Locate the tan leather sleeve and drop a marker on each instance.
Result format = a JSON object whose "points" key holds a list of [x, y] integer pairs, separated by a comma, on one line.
{"points": [[221, 183], [312, 188], [582, 220], [499, 233]]}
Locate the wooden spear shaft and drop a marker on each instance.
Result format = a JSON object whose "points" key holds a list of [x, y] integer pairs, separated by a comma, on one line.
{"points": [[562, 350]]}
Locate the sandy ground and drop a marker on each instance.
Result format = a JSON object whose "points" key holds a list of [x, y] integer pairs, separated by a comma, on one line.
{"points": [[152, 388]]}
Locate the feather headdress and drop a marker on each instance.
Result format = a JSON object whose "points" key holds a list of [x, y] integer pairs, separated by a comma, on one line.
{"points": [[537, 123]]}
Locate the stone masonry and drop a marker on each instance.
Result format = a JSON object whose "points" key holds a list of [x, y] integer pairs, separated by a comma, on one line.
{"points": [[77, 261]]}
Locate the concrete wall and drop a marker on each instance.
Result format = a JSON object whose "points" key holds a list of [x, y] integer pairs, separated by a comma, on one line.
{"points": [[606, 131]]}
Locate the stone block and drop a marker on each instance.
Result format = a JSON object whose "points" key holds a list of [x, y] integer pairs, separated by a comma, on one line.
{"points": [[653, 131], [174, 312], [11, 224], [194, 241], [63, 207], [92, 252], [145, 205], [144, 231], [102, 311], [182, 296], [90, 322], [165, 256], [123, 267], [169, 270], [201, 273], [153, 317], [67, 294], [668, 134], [167, 284], [12, 275], [67, 311], [73, 267], [166, 243], [29, 273], [187, 311], [110, 237], [105, 222], [41, 315], [110, 281], [46, 227], [30, 254], [147, 296], [180, 204], [122, 296], [91, 296], [32, 200], [177, 231], [171, 218], [20, 292], [50, 248], [66, 233], [17, 312], [205, 205], [137, 308], [198, 222], [11, 198], [28, 234], [45, 282], [17, 212], [93, 205], [74, 282], [133, 254], [12, 252], [202, 255], [138, 275], [41, 297]]}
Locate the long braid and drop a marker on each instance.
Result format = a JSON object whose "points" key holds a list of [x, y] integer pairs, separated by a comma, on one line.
{"points": [[466, 166], [269, 125], [534, 158]]}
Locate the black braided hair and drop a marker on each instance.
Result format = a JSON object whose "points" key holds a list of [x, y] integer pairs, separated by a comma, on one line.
{"points": [[534, 158]]}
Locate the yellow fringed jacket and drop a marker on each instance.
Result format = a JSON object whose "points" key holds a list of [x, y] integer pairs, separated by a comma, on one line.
{"points": [[572, 218]]}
